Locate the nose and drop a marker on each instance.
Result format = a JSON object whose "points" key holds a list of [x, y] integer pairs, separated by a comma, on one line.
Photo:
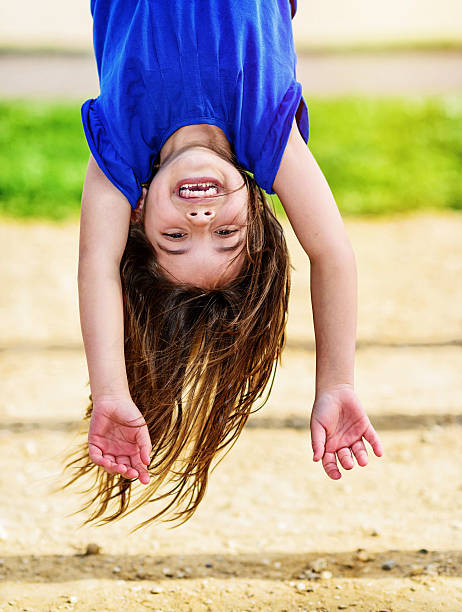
{"points": [[200, 216]]}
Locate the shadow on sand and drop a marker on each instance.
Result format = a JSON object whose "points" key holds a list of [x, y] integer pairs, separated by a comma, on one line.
{"points": [[381, 422], [271, 566]]}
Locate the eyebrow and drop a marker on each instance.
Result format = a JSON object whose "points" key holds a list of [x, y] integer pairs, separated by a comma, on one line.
{"points": [[223, 249]]}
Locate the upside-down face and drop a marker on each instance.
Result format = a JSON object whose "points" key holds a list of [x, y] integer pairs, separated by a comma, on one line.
{"points": [[195, 216]]}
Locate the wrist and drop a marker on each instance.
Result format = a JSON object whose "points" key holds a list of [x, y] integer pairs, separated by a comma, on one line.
{"points": [[330, 387], [102, 397]]}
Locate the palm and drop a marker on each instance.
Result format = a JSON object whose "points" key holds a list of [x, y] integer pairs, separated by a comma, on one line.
{"points": [[338, 426], [118, 439]]}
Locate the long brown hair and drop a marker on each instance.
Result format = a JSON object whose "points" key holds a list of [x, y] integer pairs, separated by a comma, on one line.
{"points": [[197, 361]]}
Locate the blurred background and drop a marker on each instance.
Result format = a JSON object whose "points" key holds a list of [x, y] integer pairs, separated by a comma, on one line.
{"points": [[383, 83], [380, 79]]}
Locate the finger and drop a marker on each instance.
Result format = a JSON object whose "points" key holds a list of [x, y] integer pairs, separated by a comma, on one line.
{"points": [[371, 436], [329, 463], [144, 442], [123, 461], [116, 466], [345, 458], [112, 466], [109, 466], [139, 466], [360, 452], [318, 440], [104, 461], [95, 454]]}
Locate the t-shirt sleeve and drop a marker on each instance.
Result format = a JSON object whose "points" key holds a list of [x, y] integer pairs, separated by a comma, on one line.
{"points": [[117, 170], [266, 164]]}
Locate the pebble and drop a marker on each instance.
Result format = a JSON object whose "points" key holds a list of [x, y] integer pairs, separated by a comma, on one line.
{"points": [[318, 565], [72, 599], [209, 565], [426, 438], [423, 551], [167, 572], [342, 607], [135, 588], [326, 575], [416, 570], [155, 590], [363, 556], [92, 549], [300, 586], [116, 570], [388, 565]]}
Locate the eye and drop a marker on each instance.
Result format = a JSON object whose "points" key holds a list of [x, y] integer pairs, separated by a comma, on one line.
{"points": [[174, 235], [225, 232]]}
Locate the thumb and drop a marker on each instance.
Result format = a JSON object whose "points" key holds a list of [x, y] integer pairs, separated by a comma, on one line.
{"points": [[144, 442], [318, 440]]}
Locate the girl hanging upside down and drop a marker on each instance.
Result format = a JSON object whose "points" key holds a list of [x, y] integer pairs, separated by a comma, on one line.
{"points": [[183, 267]]}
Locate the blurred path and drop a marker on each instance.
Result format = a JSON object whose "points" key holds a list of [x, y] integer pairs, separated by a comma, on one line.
{"points": [[67, 25], [273, 533], [324, 74], [409, 294]]}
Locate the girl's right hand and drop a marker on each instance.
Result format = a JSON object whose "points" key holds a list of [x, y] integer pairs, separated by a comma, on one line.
{"points": [[118, 438]]}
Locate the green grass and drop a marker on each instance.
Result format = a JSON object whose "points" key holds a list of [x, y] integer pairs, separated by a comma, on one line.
{"points": [[43, 156], [379, 155]]}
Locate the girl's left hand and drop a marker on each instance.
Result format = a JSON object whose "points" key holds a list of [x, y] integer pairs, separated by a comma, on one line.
{"points": [[338, 426]]}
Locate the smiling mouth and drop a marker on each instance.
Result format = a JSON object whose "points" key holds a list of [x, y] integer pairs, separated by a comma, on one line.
{"points": [[199, 190], [203, 187]]}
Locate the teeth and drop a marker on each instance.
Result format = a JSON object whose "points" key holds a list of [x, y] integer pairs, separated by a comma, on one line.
{"points": [[197, 190], [204, 185]]}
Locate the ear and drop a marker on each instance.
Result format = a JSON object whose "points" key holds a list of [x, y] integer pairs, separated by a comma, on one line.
{"points": [[138, 211]]}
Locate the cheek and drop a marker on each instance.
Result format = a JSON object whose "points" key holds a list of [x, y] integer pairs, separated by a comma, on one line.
{"points": [[160, 213]]}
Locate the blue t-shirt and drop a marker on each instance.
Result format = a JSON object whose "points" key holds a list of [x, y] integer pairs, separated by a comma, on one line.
{"points": [[164, 64]]}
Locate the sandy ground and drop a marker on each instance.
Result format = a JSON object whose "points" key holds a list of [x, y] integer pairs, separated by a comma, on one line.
{"points": [[273, 533]]}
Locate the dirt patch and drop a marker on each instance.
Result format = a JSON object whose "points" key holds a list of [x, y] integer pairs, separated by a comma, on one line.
{"points": [[273, 533]]}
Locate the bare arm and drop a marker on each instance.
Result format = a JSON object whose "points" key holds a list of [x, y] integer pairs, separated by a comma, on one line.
{"points": [[118, 437], [105, 218], [338, 421], [314, 216]]}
